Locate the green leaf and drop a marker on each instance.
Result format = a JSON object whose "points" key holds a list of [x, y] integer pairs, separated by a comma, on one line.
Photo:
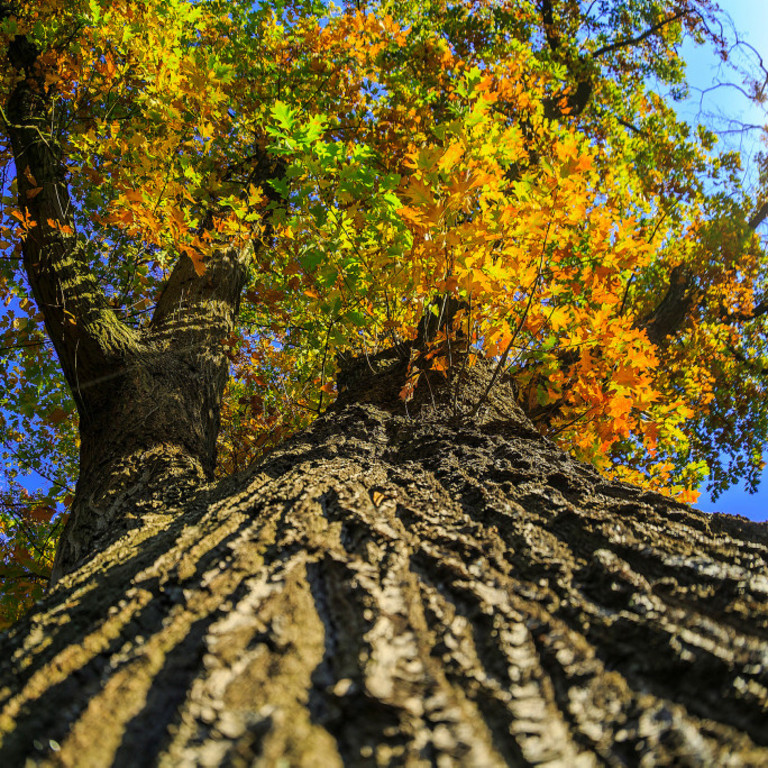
{"points": [[284, 115]]}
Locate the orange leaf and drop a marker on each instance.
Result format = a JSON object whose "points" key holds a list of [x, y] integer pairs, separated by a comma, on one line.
{"points": [[41, 513], [57, 415], [624, 376], [29, 177], [196, 259], [619, 407], [110, 65]]}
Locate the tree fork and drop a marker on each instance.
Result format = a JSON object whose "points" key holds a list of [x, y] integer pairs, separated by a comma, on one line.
{"points": [[149, 399]]}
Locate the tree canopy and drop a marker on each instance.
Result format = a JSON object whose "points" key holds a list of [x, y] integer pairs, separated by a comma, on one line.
{"points": [[516, 170]]}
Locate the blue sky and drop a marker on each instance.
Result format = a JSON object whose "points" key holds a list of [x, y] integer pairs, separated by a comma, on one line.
{"points": [[716, 107]]}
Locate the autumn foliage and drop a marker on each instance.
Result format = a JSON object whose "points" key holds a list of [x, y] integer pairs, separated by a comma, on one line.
{"points": [[513, 158]]}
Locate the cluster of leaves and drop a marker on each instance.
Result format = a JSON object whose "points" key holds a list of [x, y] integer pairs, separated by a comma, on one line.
{"points": [[515, 156], [27, 545]]}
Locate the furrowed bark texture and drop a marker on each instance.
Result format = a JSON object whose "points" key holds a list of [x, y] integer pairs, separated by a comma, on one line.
{"points": [[385, 591]]}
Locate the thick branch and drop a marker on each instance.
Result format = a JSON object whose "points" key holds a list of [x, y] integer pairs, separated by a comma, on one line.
{"points": [[549, 26], [758, 217], [87, 335], [213, 297], [668, 317], [577, 99], [761, 308], [652, 30], [190, 301]]}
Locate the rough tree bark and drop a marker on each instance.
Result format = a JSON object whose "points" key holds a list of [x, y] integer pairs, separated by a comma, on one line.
{"points": [[394, 591]]}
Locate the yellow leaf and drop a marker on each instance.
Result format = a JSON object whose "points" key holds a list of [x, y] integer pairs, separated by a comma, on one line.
{"points": [[452, 154], [559, 318]]}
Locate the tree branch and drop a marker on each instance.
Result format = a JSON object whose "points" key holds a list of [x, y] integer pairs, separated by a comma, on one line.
{"points": [[759, 216], [577, 100], [761, 308], [208, 302], [549, 27], [639, 38], [668, 317], [204, 305], [86, 333]]}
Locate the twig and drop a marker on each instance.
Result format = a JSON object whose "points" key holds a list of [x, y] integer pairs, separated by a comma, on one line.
{"points": [[505, 354]]}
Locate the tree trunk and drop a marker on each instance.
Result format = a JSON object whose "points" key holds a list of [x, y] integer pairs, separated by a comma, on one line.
{"points": [[149, 423], [386, 590]]}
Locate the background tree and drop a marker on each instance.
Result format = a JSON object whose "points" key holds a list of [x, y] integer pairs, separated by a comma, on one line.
{"points": [[468, 227]]}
